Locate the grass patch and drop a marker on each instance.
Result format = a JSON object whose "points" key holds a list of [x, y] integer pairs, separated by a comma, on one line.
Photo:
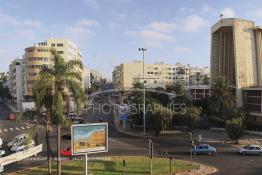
{"points": [[114, 166]]}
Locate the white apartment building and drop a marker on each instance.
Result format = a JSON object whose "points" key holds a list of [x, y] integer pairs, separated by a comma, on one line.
{"points": [[15, 79], [37, 56], [156, 75], [23, 72]]}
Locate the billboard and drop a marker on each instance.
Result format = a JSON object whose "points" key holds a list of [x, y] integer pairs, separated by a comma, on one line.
{"points": [[89, 138]]}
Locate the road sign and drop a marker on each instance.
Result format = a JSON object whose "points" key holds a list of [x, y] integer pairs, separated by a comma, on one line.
{"points": [[89, 138], [123, 117]]}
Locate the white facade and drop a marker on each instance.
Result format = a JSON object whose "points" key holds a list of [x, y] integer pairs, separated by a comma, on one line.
{"points": [[156, 75], [15, 79]]}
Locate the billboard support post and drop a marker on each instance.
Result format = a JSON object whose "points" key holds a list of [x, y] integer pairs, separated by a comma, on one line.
{"points": [[86, 165], [89, 138]]}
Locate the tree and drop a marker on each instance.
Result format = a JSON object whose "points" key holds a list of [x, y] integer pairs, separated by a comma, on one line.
{"points": [[4, 90], [222, 98], [192, 116], [235, 128], [135, 98], [206, 80], [57, 84]]}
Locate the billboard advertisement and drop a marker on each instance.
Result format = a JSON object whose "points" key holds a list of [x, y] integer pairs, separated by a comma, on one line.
{"points": [[89, 138]]}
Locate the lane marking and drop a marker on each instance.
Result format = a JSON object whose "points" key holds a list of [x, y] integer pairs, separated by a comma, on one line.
{"points": [[22, 127], [11, 129], [28, 127], [17, 128], [5, 130]]}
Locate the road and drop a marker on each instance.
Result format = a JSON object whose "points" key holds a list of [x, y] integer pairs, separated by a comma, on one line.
{"points": [[227, 161]]}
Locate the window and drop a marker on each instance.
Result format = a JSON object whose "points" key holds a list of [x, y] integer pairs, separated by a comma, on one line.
{"points": [[53, 44], [59, 44], [145, 81], [60, 52], [155, 82]]}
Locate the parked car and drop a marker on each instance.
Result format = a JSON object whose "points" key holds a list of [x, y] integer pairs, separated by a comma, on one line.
{"points": [[11, 117], [66, 152], [17, 140], [2, 152], [1, 168], [1, 142], [23, 146], [203, 149], [251, 150]]}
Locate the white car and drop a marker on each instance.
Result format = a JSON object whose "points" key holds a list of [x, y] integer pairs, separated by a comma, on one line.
{"points": [[2, 152], [23, 146], [17, 140], [1, 168], [250, 149], [1, 142]]}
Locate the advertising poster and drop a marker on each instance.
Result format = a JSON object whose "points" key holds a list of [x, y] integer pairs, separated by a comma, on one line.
{"points": [[89, 138]]}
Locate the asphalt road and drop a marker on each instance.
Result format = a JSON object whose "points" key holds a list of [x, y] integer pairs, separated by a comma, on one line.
{"points": [[227, 161]]}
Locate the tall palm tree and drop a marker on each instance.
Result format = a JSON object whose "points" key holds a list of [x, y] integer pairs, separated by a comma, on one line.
{"points": [[60, 82], [222, 98], [43, 97]]}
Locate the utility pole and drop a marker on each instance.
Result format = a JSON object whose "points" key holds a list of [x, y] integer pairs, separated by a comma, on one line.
{"points": [[144, 90]]}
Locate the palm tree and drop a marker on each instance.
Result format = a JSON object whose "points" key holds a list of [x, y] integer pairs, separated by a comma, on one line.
{"points": [[43, 97], [222, 98], [59, 82]]}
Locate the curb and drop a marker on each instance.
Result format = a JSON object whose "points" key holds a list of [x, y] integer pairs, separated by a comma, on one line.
{"points": [[258, 133]]}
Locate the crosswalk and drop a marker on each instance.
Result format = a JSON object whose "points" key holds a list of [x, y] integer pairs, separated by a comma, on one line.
{"points": [[18, 128]]}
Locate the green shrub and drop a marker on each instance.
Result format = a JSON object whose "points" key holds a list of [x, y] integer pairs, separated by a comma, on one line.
{"points": [[235, 128]]}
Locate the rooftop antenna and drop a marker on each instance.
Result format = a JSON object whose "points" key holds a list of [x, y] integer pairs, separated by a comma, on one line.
{"points": [[221, 17]]}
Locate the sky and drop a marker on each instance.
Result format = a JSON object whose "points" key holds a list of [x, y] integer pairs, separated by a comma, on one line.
{"points": [[109, 32]]}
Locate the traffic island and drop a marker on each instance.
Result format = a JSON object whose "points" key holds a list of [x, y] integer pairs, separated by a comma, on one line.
{"points": [[125, 165]]}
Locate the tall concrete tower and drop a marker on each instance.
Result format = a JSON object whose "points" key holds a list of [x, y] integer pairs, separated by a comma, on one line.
{"points": [[233, 53]]}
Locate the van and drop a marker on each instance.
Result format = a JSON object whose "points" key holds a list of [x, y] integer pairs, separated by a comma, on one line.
{"points": [[17, 140]]}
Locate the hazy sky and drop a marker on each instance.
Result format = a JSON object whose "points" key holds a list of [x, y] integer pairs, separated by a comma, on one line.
{"points": [[110, 32]]}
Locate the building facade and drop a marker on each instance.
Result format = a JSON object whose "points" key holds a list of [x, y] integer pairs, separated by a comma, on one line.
{"points": [[236, 54], [23, 72], [15, 79], [156, 75], [38, 56]]}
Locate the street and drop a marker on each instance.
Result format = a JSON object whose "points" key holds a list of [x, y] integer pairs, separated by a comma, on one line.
{"points": [[227, 161]]}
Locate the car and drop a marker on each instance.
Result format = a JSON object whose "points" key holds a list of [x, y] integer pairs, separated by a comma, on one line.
{"points": [[23, 146], [17, 140], [1, 168], [203, 149], [11, 117], [1, 142], [76, 119], [66, 152], [250, 150], [2, 152]]}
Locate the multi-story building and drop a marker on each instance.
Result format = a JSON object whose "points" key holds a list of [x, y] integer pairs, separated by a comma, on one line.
{"points": [[15, 79], [236, 54], [39, 55], [155, 75]]}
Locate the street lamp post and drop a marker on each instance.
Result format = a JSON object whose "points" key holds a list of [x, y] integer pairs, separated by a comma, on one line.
{"points": [[144, 91]]}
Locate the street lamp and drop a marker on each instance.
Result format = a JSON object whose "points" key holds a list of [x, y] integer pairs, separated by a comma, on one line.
{"points": [[144, 93]]}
